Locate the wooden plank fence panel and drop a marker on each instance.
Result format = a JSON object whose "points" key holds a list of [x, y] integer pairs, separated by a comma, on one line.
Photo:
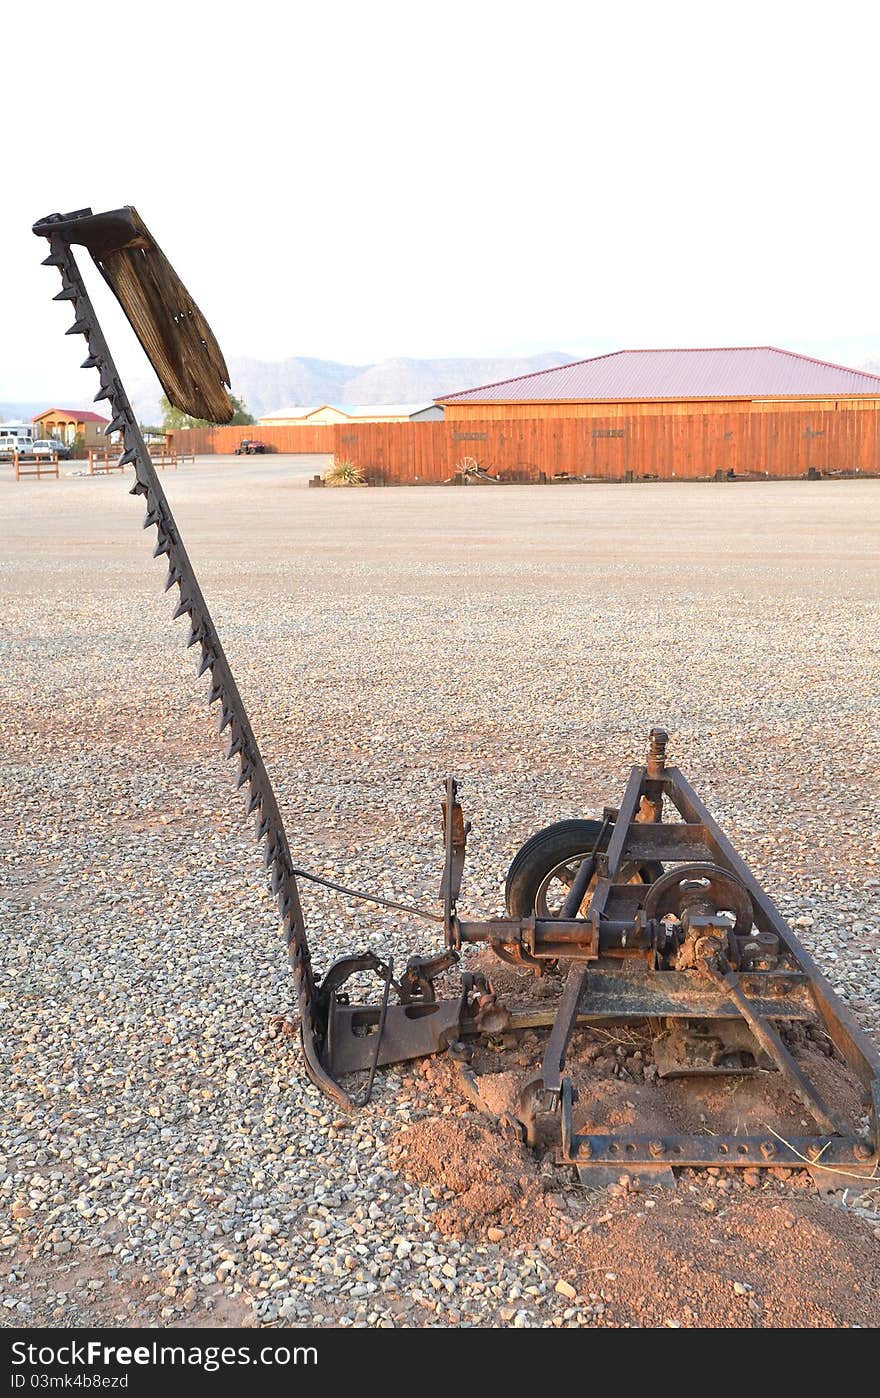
{"points": [[781, 444], [209, 441]]}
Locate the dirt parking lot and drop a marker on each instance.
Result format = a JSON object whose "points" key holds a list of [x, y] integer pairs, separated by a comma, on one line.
{"points": [[163, 1159]]}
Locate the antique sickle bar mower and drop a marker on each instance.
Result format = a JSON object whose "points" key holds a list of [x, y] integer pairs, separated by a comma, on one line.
{"points": [[656, 916]]}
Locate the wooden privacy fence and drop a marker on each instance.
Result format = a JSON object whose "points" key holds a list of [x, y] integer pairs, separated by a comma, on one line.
{"points": [[692, 447], [222, 441], [664, 447]]}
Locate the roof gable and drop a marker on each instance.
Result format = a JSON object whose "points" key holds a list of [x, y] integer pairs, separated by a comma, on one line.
{"points": [[75, 415], [349, 410], [757, 371]]}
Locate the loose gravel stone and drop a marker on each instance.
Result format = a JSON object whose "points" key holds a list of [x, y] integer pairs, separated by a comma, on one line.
{"points": [[163, 1154]]}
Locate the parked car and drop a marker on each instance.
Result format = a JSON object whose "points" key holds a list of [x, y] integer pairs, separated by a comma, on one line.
{"points": [[48, 446], [248, 446]]}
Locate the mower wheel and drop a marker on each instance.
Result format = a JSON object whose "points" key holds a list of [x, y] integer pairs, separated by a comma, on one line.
{"points": [[542, 872]]}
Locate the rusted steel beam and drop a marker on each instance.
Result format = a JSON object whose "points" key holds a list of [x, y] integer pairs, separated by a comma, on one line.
{"points": [[563, 1028], [626, 815], [771, 1043], [643, 1153], [853, 1044]]}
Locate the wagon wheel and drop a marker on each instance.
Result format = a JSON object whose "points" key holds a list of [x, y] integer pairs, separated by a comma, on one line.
{"points": [[543, 870]]}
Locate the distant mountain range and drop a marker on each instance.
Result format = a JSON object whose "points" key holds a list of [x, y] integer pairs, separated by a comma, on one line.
{"points": [[266, 387], [22, 412]]}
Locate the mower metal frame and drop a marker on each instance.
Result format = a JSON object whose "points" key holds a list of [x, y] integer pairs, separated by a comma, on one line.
{"points": [[614, 953]]}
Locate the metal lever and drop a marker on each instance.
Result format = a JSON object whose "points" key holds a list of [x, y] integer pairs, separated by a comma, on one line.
{"points": [[455, 833]]}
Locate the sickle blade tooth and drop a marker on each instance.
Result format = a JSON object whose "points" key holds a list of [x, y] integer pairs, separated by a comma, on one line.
{"points": [[67, 293], [172, 578], [225, 719], [163, 546], [119, 423], [138, 488], [106, 393], [79, 327], [214, 693], [55, 259], [194, 635], [236, 743], [153, 516], [277, 878], [253, 802], [207, 661], [244, 775], [181, 609], [128, 457], [92, 362]]}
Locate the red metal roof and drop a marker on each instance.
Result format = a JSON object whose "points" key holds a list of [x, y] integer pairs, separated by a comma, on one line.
{"points": [[75, 415], [752, 372]]}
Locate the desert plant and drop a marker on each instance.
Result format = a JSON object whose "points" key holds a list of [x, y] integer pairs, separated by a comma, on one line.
{"points": [[343, 473]]}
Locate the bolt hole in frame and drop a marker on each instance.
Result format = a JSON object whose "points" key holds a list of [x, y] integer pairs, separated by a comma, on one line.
{"points": [[694, 938]]}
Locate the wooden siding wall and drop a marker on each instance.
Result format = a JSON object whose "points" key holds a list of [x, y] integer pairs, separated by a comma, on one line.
{"points": [[508, 412], [780, 444]]}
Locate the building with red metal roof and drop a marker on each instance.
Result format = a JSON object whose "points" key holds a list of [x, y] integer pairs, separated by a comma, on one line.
{"points": [[663, 381], [69, 423]]}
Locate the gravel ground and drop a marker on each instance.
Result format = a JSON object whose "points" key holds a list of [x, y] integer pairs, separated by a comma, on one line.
{"points": [[163, 1159]]}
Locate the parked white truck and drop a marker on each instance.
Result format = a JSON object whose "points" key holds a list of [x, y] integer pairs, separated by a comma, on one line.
{"points": [[16, 437]]}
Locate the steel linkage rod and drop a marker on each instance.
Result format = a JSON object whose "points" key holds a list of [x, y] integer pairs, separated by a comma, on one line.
{"points": [[728, 983], [261, 800]]}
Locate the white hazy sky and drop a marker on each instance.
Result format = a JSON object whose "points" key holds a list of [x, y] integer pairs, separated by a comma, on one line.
{"points": [[358, 181]]}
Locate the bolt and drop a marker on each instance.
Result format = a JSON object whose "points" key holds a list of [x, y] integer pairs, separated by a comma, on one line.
{"points": [[585, 1148], [768, 1149], [861, 1151], [657, 1147], [657, 752]]}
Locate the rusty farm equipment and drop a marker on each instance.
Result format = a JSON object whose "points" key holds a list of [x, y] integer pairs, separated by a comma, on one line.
{"points": [[649, 912]]}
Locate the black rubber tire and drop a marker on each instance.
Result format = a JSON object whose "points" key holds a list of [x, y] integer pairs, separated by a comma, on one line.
{"points": [[545, 850]]}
